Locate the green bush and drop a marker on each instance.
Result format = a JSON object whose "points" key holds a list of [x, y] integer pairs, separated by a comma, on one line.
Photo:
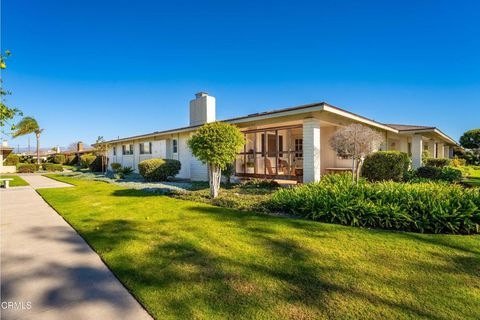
{"points": [[418, 207], [12, 160], [385, 165], [448, 174], [458, 162], [59, 159], [439, 163], [261, 184], [26, 159], [27, 167], [86, 160], [52, 167], [159, 169], [116, 166]]}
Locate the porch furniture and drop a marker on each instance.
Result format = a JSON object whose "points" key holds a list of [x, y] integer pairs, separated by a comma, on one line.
{"points": [[337, 170], [6, 182]]}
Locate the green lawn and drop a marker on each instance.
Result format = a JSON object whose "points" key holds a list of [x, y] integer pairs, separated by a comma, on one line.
{"points": [[474, 176], [185, 260], [17, 181]]}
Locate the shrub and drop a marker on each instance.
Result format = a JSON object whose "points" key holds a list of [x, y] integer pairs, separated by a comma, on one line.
{"points": [[458, 162], [52, 167], [228, 172], [59, 159], [86, 160], [123, 172], [419, 207], [27, 167], [448, 174], [262, 184], [26, 159], [451, 174], [439, 163], [386, 165], [116, 166], [12, 160], [159, 169]]}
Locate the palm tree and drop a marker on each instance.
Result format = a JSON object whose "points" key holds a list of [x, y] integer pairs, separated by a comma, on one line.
{"points": [[26, 126]]}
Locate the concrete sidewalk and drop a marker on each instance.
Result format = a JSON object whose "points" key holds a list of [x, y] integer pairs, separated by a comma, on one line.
{"points": [[38, 181], [45, 263]]}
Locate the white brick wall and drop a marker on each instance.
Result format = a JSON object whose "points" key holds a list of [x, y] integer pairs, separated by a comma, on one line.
{"points": [[311, 150]]}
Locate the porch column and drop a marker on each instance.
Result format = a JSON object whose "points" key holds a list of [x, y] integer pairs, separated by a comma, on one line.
{"points": [[441, 150], [417, 148], [311, 150], [431, 148], [446, 152]]}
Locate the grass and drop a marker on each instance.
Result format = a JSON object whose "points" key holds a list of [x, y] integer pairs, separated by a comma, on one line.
{"points": [[17, 181], [473, 176], [185, 259]]}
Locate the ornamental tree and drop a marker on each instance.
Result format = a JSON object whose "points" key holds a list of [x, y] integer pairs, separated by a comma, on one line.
{"points": [[216, 144], [355, 141]]}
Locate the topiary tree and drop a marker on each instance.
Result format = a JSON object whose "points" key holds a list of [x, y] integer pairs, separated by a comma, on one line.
{"points": [[216, 144], [355, 141]]}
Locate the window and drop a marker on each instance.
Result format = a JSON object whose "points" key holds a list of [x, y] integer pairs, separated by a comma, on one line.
{"points": [[174, 145], [114, 151], [127, 149], [298, 148], [146, 148]]}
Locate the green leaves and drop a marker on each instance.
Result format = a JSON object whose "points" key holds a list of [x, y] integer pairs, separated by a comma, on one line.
{"points": [[216, 143], [419, 207]]}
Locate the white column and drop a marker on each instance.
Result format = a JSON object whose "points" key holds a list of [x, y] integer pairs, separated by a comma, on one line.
{"points": [[311, 150], [446, 152], [431, 148], [441, 150], [417, 148], [403, 144]]}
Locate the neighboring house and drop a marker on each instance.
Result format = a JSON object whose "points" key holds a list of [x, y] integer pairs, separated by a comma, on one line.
{"points": [[5, 150], [289, 144]]}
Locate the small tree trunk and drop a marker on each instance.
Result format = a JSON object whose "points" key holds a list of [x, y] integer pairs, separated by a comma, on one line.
{"points": [[353, 169], [214, 175], [359, 168], [38, 147]]}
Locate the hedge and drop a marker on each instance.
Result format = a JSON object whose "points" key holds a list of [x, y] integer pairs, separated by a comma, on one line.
{"points": [[159, 169], [71, 160], [27, 167], [435, 173], [12, 160], [437, 162], [115, 166], [52, 167], [418, 207], [385, 165], [59, 159]]}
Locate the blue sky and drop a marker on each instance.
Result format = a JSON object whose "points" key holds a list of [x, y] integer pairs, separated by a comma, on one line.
{"points": [[120, 68]]}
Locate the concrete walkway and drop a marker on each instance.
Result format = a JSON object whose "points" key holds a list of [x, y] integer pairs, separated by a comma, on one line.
{"points": [[37, 181], [45, 264]]}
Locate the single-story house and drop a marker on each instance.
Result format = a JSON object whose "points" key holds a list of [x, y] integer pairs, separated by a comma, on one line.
{"points": [[289, 144]]}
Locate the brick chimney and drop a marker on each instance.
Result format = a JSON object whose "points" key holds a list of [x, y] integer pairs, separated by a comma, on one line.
{"points": [[202, 109], [79, 146]]}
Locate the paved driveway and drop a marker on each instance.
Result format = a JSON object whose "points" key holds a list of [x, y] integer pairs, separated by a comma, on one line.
{"points": [[46, 264]]}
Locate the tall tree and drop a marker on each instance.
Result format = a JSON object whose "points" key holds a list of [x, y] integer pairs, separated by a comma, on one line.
{"points": [[470, 140], [6, 113], [26, 126], [216, 144], [355, 141]]}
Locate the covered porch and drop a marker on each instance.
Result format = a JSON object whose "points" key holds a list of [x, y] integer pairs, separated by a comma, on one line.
{"points": [[296, 151]]}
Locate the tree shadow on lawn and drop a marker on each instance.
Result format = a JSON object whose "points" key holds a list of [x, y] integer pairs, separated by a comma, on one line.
{"points": [[187, 278]]}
